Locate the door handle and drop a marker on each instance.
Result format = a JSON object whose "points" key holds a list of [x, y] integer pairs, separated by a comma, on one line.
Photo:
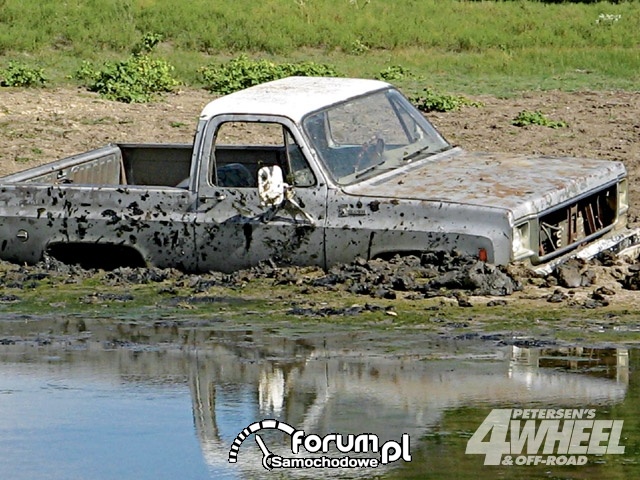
{"points": [[220, 196]]}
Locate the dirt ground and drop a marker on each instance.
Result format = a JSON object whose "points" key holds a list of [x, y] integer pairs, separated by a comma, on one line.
{"points": [[40, 125]]}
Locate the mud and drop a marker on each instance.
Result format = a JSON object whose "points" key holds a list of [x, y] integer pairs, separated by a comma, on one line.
{"points": [[433, 274], [447, 275], [425, 276]]}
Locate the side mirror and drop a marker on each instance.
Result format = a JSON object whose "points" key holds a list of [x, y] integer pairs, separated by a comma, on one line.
{"points": [[271, 187]]}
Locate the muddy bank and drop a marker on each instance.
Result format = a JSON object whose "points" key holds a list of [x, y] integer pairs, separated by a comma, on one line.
{"points": [[431, 274], [436, 274], [444, 296]]}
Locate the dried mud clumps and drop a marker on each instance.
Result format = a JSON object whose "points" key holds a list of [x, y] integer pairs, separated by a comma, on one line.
{"points": [[574, 273], [429, 275], [412, 277], [631, 281], [140, 276], [424, 276], [605, 269]]}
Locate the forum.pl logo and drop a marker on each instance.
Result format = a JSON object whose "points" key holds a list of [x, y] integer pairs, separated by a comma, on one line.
{"points": [[544, 437], [376, 453]]}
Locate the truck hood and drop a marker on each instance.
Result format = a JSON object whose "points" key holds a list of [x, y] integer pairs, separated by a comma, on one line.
{"points": [[523, 185]]}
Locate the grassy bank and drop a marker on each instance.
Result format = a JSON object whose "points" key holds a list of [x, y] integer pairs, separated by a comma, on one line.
{"points": [[472, 47]]}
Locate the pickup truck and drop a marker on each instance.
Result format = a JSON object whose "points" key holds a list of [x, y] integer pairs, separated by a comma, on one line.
{"points": [[333, 169]]}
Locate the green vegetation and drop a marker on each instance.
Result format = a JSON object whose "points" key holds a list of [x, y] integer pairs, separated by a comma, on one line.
{"points": [[432, 101], [20, 75], [460, 46], [242, 72], [137, 79], [395, 73], [526, 117]]}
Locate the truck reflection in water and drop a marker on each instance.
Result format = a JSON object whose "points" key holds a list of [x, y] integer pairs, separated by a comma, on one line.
{"points": [[322, 391], [356, 387]]}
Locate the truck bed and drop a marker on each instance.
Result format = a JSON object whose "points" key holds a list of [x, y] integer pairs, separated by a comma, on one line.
{"points": [[139, 164], [115, 164]]}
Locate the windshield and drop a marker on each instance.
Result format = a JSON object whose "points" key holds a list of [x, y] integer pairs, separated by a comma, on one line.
{"points": [[371, 134]]}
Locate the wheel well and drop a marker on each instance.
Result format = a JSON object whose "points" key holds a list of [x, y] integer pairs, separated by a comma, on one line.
{"points": [[94, 255]]}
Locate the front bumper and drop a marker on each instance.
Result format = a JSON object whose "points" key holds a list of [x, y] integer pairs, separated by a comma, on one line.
{"points": [[624, 243]]}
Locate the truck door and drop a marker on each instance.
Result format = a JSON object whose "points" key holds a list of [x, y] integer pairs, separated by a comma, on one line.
{"points": [[233, 229]]}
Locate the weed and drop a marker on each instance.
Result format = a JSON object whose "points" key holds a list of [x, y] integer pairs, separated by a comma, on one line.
{"points": [[178, 124], [527, 117], [20, 75], [147, 43], [358, 47], [432, 101], [395, 73], [359, 6], [302, 7], [608, 19], [243, 72], [137, 79]]}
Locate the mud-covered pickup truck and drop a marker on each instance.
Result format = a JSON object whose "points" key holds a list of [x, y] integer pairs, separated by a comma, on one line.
{"points": [[310, 171]]}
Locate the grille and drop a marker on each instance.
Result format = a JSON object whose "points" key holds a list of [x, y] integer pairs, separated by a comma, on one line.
{"points": [[567, 227]]}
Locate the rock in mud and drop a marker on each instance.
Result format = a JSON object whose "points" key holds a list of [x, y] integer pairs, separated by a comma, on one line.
{"points": [[332, 311], [50, 264], [428, 275], [385, 293], [98, 297], [9, 298], [595, 300], [632, 280], [557, 296], [604, 290], [497, 303], [139, 276], [574, 273], [477, 277], [464, 302]]}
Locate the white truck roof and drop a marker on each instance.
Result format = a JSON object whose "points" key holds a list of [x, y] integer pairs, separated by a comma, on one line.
{"points": [[291, 97]]}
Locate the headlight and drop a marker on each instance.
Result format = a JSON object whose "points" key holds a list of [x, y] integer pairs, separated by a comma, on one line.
{"points": [[521, 244], [623, 196]]}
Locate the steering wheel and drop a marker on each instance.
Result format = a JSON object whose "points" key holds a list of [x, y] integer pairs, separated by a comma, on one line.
{"points": [[370, 153]]}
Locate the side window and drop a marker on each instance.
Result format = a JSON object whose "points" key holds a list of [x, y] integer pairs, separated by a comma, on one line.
{"points": [[300, 175], [242, 148]]}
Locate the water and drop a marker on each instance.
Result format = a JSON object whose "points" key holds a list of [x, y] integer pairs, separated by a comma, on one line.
{"points": [[92, 410]]}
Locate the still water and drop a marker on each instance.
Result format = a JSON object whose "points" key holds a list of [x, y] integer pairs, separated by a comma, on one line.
{"points": [[99, 410]]}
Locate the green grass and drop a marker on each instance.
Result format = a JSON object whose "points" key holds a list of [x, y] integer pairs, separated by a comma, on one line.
{"points": [[460, 46]]}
